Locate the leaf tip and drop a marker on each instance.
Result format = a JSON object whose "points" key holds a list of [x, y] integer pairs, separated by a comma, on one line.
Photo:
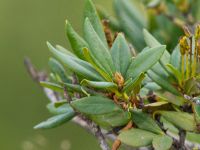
{"points": [[41, 83], [47, 42], [89, 3], [67, 25], [66, 22], [36, 127], [49, 45], [83, 81], [87, 20], [145, 30]]}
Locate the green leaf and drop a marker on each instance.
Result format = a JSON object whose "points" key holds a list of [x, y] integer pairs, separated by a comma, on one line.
{"points": [[144, 61], [77, 65], [162, 142], [156, 104], [64, 108], [121, 55], [134, 10], [76, 41], [196, 110], [158, 68], [52, 86], [176, 73], [60, 103], [136, 137], [175, 59], [91, 13], [169, 126], [55, 121], [98, 50], [181, 120], [152, 86], [171, 98], [80, 89], [191, 86], [113, 119], [195, 10], [73, 87], [154, 3], [95, 105], [145, 122], [133, 83], [137, 12], [91, 60], [59, 110], [58, 69], [162, 82], [133, 18], [64, 50], [193, 137], [152, 42], [149, 39], [100, 85]]}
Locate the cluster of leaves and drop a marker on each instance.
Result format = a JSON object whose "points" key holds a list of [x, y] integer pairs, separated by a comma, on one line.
{"points": [[103, 79]]}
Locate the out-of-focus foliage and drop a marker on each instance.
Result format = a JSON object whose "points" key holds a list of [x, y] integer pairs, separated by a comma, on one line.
{"points": [[163, 18]]}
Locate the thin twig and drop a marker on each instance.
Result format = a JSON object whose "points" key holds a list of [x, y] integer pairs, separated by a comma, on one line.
{"points": [[182, 134], [38, 76], [97, 132], [84, 124], [75, 81], [66, 95]]}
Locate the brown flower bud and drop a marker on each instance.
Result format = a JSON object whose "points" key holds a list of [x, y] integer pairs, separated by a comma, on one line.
{"points": [[119, 79]]}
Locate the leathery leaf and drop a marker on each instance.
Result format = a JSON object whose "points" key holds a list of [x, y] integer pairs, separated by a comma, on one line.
{"points": [[177, 119], [95, 105], [77, 65], [121, 54], [145, 122], [162, 142], [99, 51], [100, 85], [144, 61], [56, 120], [136, 137]]}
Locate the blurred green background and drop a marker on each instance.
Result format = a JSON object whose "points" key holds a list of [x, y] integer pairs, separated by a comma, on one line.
{"points": [[25, 26]]}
